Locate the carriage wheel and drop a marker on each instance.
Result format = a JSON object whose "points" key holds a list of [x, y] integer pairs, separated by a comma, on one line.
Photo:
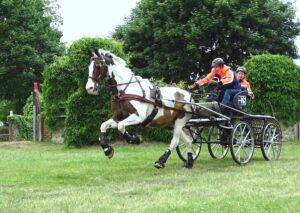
{"points": [[242, 143], [217, 148], [198, 136], [271, 141]]}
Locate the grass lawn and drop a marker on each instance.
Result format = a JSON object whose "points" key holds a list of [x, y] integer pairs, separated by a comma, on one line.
{"points": [[37, 177]]}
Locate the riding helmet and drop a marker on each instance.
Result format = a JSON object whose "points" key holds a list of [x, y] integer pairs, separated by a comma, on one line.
{"points": [[241, 69], [217, 62]]}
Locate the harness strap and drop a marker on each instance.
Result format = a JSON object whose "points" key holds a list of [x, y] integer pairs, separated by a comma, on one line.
{"points": [[129, 97], [143, 91], [127, 84], [150, 117]]}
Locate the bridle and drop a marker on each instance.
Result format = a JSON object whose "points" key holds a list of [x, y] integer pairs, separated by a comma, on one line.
{"points": [[98, 65]]}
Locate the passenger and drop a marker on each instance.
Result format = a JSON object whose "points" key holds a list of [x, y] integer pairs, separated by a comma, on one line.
{"points": [[241, 76], [227, 81]]}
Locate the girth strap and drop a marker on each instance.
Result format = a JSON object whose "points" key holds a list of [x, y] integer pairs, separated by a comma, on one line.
{"points": [[150, 117]]}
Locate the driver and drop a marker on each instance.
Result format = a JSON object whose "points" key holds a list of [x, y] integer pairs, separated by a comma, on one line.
{"points": [[241, 76], [227, 81]]}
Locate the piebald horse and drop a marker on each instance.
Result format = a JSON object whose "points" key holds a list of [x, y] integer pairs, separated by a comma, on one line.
{"points": [[132, 104]]}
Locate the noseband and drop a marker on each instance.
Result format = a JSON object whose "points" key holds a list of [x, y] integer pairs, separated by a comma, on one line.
{"points": [[100, 63]]}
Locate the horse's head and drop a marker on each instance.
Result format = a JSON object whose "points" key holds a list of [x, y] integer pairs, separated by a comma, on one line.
{"points": [[98, 71]]}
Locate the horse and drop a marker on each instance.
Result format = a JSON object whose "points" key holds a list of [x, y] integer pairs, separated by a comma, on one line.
{"points": [[133, 104]]}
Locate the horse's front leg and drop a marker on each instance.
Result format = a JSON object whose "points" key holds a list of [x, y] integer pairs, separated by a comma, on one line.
{"points": [[133, 119], [108, 150]]}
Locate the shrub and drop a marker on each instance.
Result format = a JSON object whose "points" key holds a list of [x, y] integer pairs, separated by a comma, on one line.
{"points": [[24, 122], [275, 78], [59, 84], [5, 107]]}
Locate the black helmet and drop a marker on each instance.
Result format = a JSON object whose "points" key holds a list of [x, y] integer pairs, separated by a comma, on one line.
{"points": [[241, 69], [217, 62]]}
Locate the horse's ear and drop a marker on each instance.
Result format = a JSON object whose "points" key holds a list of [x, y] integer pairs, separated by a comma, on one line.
{"points": [[91, 53], [97, 52]]}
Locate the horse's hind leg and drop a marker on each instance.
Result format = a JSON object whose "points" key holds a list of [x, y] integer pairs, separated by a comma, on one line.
{"points": [[179, 124], [188, 142], [108, 150]]}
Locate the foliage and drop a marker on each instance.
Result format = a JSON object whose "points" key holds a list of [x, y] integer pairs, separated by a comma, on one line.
{"points": [[24, 127], [85, 113], [28, 43], [24, 122], [28, 113], [59, 84], [275, 78], [4, 130], [173, 38], [5, 107]]}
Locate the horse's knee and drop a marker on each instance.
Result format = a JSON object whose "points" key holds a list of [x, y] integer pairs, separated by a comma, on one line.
{"points": [[121, 127], [103, 127]]}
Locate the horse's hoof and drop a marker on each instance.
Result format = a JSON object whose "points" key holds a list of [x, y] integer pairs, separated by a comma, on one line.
{"points": [[109, 152], [190, 162], [159, 165], [135, 139], [189, 165]]}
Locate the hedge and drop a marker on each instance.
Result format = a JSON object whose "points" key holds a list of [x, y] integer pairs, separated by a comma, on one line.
{"points": [[59, 84], [275, 79], [5, 107], [24, 122]]}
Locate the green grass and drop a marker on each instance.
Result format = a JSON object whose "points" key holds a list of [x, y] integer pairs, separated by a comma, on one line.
{"points": [[47, 177]]}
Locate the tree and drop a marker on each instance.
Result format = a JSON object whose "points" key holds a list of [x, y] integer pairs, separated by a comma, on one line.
{"points": [[275, 80], [28, 42], [172, 38]]}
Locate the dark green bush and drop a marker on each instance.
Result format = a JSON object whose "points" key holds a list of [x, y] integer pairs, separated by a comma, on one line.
{"points": [[5, 107], [85, 113], [59, 84], [24, 122], [276, 79]]}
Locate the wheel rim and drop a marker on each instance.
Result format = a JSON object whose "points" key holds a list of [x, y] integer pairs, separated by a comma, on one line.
{"points": [[196, 148], [196, 144], [242, 143], [217, 150], [272, 141]]}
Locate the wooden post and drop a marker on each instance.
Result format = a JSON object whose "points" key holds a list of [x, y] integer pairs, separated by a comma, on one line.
{"points": [[37, 119], [297, 131]]}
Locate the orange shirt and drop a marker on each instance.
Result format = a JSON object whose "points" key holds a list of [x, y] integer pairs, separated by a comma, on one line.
{"points": [[245, 84], [225, 74]]}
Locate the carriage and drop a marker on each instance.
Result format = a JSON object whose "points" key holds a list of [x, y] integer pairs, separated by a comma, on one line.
{"points": [[236, 131]]}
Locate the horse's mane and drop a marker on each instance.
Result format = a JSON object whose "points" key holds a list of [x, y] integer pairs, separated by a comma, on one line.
{"points": [[116, 59]]}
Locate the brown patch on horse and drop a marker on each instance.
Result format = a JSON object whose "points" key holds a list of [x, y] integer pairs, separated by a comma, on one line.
{"points": [[121, 109], [169, 117]]}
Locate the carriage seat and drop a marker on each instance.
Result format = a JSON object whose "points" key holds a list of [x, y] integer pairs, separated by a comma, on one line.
{"points": [[155, 93], [240, 100]]}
